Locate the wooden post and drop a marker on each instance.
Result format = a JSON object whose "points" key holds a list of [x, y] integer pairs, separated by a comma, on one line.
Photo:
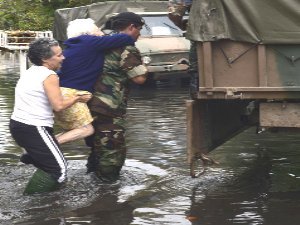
{"points": [[207, 65], [262, 66], [191, 126]]}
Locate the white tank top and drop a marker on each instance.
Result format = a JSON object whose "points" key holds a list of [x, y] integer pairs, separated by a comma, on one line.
{"points": [[32, 106]]}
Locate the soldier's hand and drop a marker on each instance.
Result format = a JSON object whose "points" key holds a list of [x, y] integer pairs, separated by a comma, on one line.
{"points": [[178, 21], [184, 24]]}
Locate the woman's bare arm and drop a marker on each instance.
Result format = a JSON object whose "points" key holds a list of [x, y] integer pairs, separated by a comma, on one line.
{"points": [[58, 103]]}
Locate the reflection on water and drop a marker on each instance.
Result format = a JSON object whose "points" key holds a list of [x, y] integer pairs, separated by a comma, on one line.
{"points": [[257, 181]]}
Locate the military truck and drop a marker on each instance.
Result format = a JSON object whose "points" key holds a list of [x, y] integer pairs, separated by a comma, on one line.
{"points": [[249, 71]]}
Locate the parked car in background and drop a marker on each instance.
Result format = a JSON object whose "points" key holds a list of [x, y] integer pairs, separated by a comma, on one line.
{"points": [[163, 46]]}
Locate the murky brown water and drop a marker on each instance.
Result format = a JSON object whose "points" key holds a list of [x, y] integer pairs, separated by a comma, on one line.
{"points": [[257, 181]]}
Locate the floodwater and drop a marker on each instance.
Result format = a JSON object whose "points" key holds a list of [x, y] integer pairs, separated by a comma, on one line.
{"points": [[256, 182]]}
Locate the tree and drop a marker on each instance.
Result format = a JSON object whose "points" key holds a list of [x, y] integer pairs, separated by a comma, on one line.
{"points": [[33, 14]]}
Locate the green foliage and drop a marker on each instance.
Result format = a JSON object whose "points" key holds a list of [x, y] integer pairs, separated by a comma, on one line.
{"points": [[33, 14], [24, 15]]}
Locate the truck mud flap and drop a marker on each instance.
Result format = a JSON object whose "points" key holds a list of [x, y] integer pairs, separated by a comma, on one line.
{"points": [[210, 123]]}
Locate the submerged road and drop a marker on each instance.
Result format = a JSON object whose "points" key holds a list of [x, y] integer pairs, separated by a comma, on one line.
{"points": [[256, 182]]}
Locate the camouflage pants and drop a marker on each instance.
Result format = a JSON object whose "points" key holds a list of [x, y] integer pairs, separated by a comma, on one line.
{"points": [[193, 70], [108, 149]]}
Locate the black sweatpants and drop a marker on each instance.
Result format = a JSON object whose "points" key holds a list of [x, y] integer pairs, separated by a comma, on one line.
{"points": [[40, 143]]}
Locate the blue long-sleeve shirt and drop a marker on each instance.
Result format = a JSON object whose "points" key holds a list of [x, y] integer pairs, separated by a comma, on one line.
{"points": [[84, 58]]}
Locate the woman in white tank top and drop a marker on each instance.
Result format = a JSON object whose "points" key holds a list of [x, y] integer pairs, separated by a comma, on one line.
{"points": [[37, 95]]}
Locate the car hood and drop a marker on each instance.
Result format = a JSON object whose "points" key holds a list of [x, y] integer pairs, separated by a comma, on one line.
{"points": [[158, 45]]}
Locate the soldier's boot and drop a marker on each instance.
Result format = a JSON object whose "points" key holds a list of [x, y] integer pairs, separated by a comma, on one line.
{"points": [[41, 182], [108, 173], [104, 173], [92, 162]]}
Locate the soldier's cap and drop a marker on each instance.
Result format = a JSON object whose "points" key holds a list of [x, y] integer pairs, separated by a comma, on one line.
{"points": [[130, 17]]}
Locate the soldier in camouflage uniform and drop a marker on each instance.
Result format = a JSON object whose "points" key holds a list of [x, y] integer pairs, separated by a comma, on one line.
{"points": [[108, 105], [177, 10]]}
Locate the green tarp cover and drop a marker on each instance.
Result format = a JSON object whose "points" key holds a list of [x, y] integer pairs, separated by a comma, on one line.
{"points": [[264, 21], [99, 11]]}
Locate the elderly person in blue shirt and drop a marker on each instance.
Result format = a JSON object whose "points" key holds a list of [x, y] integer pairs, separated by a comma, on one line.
{"points": [[84, 57]]}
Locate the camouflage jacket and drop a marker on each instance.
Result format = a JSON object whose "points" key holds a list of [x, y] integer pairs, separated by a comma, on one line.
{"points": [[179, 7], [112, 87]]}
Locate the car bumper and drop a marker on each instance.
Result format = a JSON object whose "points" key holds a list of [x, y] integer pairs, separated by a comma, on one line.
{"points": [[167, 68]]}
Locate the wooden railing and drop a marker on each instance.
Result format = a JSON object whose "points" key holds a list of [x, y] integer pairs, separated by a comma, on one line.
{"points": [[19, 40]]}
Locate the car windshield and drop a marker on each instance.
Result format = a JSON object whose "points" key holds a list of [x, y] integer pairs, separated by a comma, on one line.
{"points": [[160, 25]]}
